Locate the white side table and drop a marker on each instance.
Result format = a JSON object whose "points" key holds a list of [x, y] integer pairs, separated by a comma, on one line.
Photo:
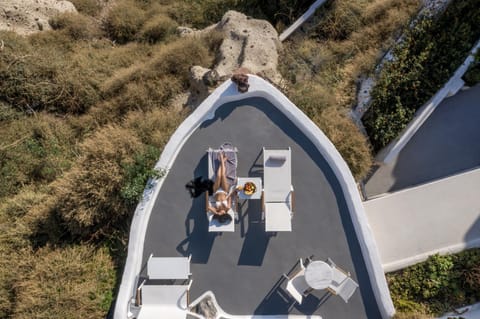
{"points": [[258, 183], [318, 274]]}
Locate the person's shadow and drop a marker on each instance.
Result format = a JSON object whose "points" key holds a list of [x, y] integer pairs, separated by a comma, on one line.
{"points": [[199, 241]]}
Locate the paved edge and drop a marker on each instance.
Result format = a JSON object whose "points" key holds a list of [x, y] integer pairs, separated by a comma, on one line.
{"points": [[376, 211], [227, 92]]}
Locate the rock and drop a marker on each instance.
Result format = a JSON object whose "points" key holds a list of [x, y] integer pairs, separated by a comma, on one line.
{"points": [[202, 82], [17, 14], [247, 43]]}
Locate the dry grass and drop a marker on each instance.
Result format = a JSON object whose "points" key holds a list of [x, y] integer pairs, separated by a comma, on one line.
{"points": [[65, 283]]}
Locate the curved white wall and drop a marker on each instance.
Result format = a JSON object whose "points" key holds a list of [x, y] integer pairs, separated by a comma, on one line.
{"points": [[227, 92]]}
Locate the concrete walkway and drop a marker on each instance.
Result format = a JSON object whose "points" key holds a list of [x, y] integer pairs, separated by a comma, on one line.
{"points": [[446, 144], [438, 217]]}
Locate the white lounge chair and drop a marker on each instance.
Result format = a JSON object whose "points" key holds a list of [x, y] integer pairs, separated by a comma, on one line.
{"points": [[342, 284], [278, 196], [164, 301], [231, 166], [168, 267], [297, 287]]}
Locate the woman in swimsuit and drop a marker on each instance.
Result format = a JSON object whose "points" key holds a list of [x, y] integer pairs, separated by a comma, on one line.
{"points": [[223, 200]]}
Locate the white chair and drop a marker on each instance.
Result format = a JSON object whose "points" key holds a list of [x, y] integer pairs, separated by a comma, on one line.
{"points": [[277, 199], [342, 284], [164, 301], [213, 224], [168, 267], [297, 287]]}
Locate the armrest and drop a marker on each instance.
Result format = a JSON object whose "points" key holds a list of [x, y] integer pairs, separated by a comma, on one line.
{"points": [[188, 292], [206, 201]]}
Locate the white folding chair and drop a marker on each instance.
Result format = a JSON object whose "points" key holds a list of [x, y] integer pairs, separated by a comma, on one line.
{"points": [[297, 287], [342, 284], [277, 196]]}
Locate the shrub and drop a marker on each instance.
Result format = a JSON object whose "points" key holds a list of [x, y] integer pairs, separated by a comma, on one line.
{"points": [[34, 151], [124, 21], [339, 19], [65, 283], [424, 60], [472, 76], [152, 83], [155, 127], [345, 135], [438, 284], [43, 76], [158, 29], [206, 12], [77, 26], [138, 173], [88, 7], [88, 197]]}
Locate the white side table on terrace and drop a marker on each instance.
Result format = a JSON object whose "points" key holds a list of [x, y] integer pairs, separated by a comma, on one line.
{"points": [[258, 183], [318, 274]]}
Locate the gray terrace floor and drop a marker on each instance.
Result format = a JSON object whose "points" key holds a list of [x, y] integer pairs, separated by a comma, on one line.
{"points": [[243, 269], [446, 144]]}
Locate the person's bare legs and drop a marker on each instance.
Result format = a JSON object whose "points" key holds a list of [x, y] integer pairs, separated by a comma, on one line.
{"points": [[223, 176], [218, 180]]}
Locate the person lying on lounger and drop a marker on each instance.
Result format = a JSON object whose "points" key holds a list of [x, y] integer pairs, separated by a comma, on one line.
{"points": [[223, 201]]}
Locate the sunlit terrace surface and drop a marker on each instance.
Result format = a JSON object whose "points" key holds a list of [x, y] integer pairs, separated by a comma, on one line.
{"points": [[244, 268]]}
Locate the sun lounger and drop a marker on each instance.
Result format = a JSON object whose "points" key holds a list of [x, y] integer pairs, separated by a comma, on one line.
{"points": [[277, 190], [231, 167]]}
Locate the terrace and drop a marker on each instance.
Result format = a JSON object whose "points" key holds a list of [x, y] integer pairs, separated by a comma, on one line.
{"points": [[244, 268]]}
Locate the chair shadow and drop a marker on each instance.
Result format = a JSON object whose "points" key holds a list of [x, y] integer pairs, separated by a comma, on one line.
{"points": [[199, 241], [256, 170], [256, 239]]}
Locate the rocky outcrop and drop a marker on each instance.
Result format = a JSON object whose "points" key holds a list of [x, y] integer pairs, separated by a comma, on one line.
{"points": [[248, 44], [28, 16]]}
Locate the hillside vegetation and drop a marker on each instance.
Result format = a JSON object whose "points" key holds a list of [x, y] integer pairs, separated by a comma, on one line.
{"points": [[85, 110], [427, 57]]}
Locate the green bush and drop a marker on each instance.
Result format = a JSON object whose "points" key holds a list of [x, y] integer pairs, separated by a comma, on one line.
{"points": [[124, 21], [158, 29], [472, 76], [425, 59], [437, 285], [138, 173]]}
